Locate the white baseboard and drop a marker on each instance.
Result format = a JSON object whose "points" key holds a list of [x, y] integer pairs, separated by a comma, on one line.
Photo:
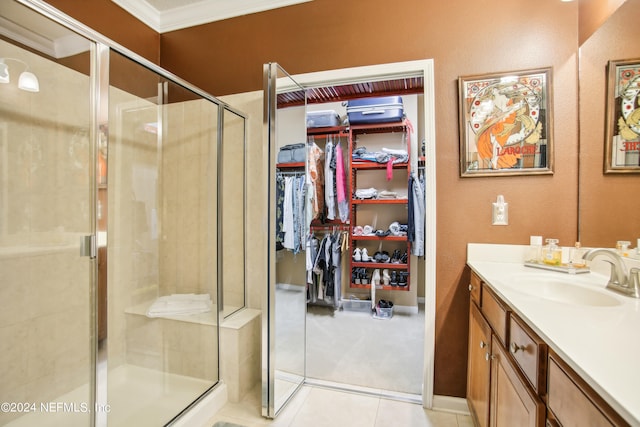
{"points": [[456, 405], [407, 309]]}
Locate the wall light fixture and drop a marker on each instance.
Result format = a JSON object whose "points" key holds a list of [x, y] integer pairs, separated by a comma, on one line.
{"points": [[26, 81]]}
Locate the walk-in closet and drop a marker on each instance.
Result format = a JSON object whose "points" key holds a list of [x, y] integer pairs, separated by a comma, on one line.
{"points": [[349, 231]]}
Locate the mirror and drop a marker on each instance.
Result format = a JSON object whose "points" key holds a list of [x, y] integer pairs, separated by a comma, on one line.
{"points": [[608, 204], [285, 311]]}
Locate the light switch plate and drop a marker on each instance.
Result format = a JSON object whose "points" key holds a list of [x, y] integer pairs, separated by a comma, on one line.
{"points": [[500, 214]]}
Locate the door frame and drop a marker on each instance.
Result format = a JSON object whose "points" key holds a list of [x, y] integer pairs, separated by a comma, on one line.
{"points": [[425, 69]]}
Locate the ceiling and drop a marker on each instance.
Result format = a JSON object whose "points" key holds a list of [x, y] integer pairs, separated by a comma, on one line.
{"points": [[169, 15], [337, 93]]}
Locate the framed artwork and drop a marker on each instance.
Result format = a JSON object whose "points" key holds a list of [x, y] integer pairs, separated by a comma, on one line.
{"points": [[622, 143], [505, 123]]}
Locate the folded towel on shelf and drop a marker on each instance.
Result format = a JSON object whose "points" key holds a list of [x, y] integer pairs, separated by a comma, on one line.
{"points": [[384, 194], [180, 305], [395, 152], [366, 193]]}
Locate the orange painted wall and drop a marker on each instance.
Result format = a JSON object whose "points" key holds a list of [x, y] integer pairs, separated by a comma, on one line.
{"points": [[463, 38], [593, 13]]}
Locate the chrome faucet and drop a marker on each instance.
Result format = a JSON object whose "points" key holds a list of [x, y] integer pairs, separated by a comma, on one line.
{"points": [[618, 281]]}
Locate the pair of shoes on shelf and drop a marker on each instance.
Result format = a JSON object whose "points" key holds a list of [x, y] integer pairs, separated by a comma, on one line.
{"points": [[396, 258], [359, 276], [385, 277], [361, 255], [398, 278], [381, 257], [359, 230]]}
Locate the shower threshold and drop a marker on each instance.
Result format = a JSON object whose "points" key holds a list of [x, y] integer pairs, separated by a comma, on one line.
{"points": [[137, 396]]}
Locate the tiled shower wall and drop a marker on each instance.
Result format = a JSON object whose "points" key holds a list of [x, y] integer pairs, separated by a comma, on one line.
{"points": [[162, 213]]}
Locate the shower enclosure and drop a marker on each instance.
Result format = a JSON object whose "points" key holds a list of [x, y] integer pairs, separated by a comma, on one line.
{"points": [[121, 191]]}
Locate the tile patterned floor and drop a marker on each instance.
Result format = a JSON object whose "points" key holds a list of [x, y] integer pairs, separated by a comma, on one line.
{"points": [[320, 407]]}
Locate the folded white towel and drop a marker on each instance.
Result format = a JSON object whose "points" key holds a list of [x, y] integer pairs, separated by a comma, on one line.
{"points": [[366, 193], [395, 152], [180, 305]]}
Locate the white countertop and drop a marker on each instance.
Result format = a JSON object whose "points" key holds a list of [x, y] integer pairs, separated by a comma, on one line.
{"points": [[602, 344]]}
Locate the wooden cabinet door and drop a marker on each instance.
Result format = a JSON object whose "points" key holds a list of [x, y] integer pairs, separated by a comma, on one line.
{"points": [[479, 366], [513, 403]]}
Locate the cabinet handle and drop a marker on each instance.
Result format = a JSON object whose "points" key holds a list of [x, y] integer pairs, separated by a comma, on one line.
{"points": [[489, 356], [470, 288], [515, 348], [483, 344]]}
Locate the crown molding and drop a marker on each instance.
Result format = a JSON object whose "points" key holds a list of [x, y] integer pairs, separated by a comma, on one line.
{"points": [[203, 12], [60, 47]]}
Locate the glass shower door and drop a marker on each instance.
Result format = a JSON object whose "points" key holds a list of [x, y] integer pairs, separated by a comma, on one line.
{"points": [[162, 327], [46, 193]]}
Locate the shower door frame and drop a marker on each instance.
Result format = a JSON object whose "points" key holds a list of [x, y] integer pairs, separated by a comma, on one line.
{"points": [[100, 51], [272, 86]]}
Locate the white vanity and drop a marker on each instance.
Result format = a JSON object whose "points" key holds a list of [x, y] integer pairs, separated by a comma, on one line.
{"points": [[549, 347]]}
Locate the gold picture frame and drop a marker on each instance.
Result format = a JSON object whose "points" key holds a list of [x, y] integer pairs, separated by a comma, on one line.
{"points": [[622, 140], [506, 123]]}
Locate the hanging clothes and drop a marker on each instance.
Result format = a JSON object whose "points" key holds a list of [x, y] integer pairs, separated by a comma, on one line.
{"points": [[279, 211], [416, 214], [324, 269], [290, 212], [315, 172], [336, 264], [287, 216], [299, 215], [341, 185], [329, 179]]}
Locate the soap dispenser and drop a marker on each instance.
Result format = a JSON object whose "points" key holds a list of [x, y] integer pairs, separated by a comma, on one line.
{"points": [[551, 253]]}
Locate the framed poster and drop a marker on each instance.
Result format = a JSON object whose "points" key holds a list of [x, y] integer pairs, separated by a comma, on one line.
{"points": [[622, 140], [505, 123]]}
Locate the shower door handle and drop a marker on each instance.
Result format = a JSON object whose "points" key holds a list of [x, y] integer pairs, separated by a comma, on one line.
{"points": [[88, 246]]}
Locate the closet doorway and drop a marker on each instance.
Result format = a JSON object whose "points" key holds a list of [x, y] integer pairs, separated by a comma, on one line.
{"points": [[362, 338], [351, 350]]}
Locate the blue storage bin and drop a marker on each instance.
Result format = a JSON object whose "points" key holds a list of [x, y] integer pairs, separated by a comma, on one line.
{"points": [[375, 110]]}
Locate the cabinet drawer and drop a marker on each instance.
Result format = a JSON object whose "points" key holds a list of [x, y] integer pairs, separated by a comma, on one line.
{"points": [[573, 403], [529, 352], [474, 287], [495, 312]]}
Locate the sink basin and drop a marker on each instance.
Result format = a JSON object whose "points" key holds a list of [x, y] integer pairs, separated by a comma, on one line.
{"points": [[563, 291]]}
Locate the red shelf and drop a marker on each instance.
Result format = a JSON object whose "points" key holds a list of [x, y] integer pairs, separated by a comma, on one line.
{"points": [[388, 238], [376, 165], [387, 265], [327, 130], [290, 165], [379, 201], [384, 287], [379, 127]]}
